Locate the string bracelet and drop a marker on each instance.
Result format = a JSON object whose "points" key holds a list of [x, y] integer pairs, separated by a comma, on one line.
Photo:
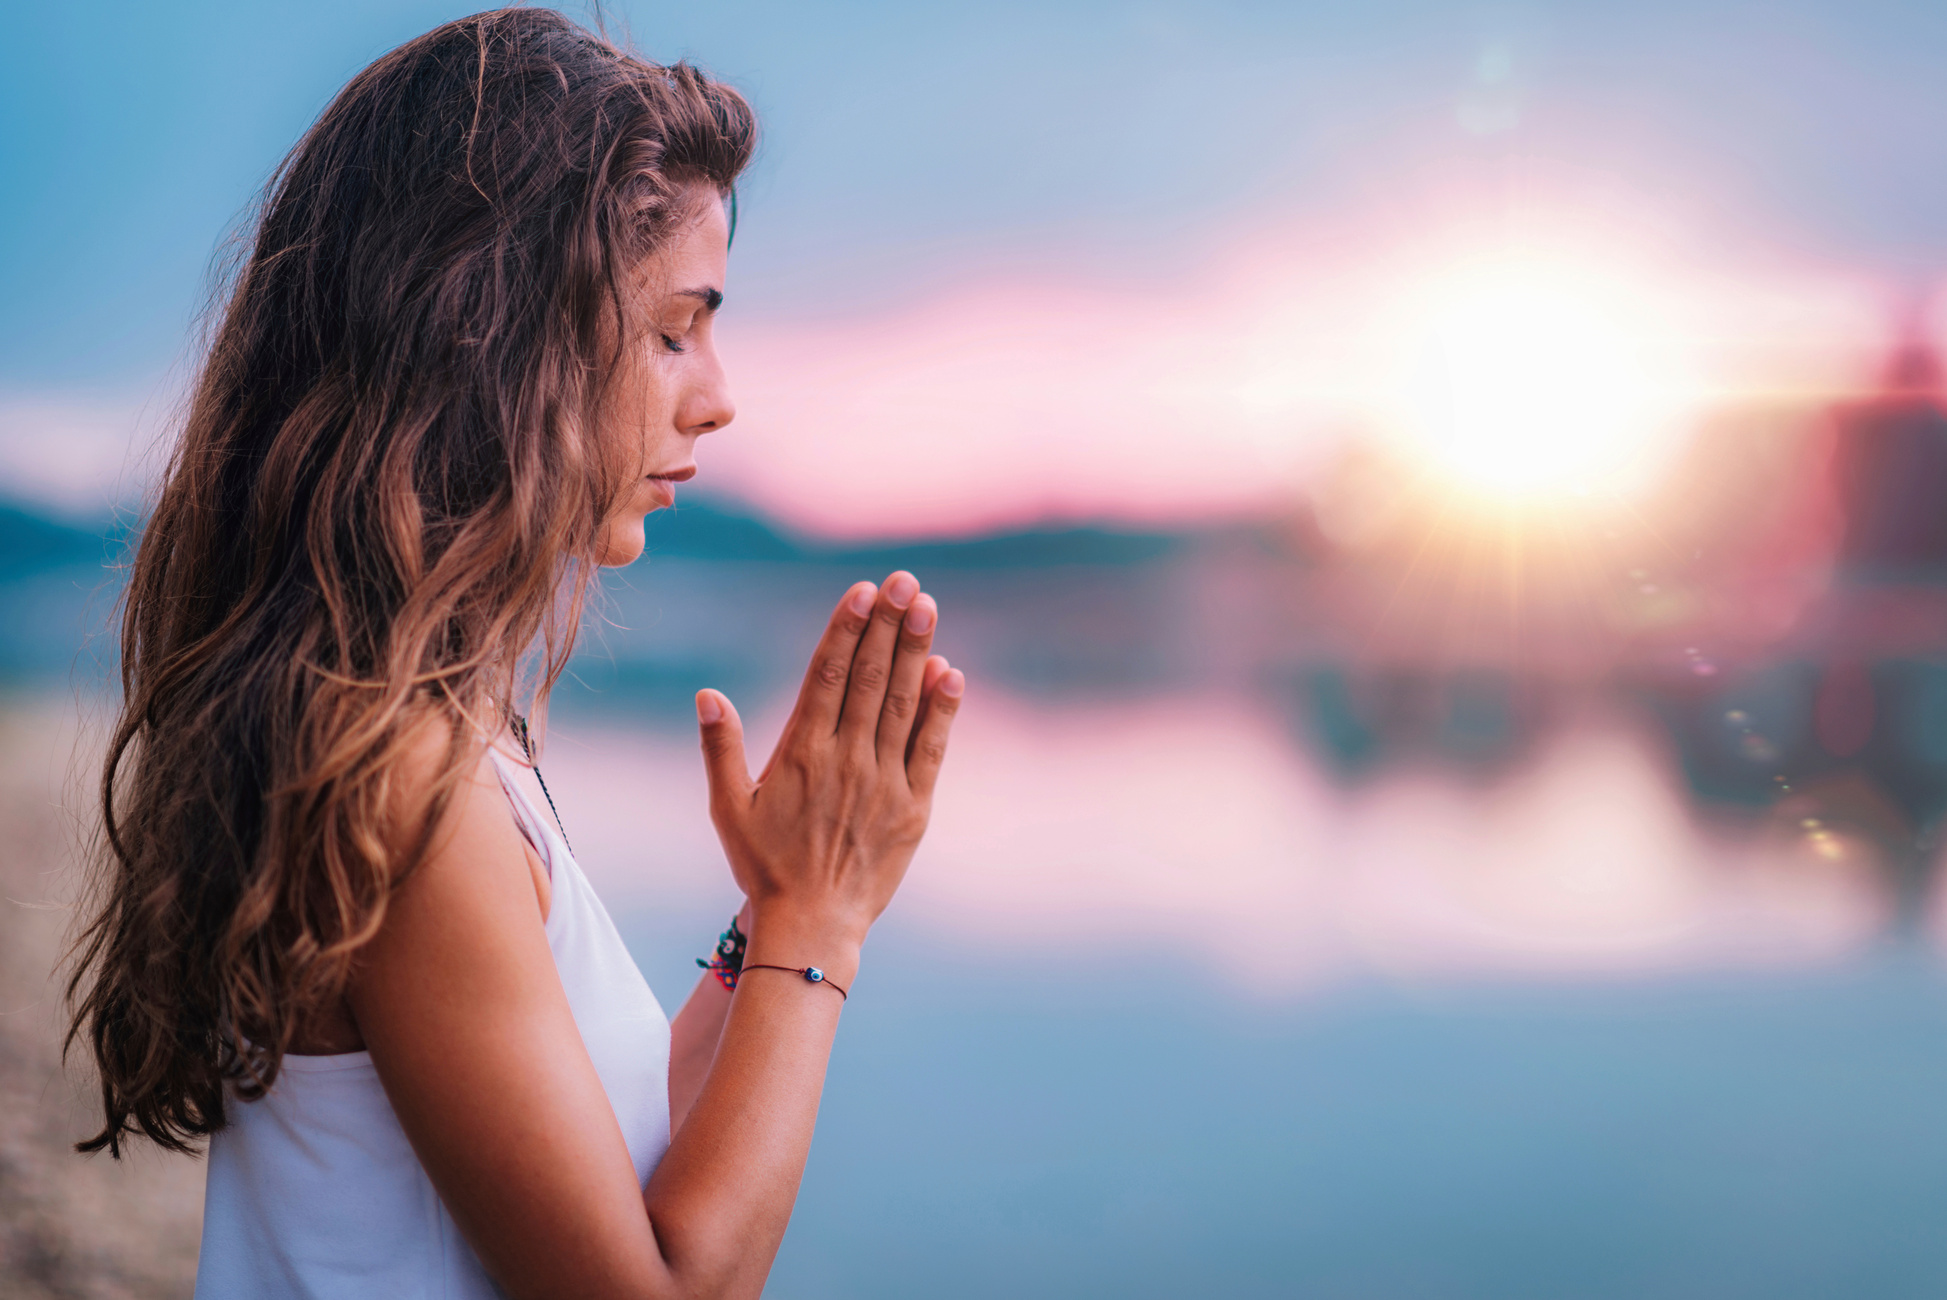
{"points": [[727, 962], [811, 973]]}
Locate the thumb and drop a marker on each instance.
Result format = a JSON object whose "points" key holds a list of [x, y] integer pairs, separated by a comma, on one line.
{"points": [[723, 746]]}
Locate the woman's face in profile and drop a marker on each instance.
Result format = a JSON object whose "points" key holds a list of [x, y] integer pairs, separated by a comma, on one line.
{"points": [[672, 389]]}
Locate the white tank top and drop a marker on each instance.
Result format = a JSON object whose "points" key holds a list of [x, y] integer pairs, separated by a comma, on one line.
{"points": [[313, 1191]]}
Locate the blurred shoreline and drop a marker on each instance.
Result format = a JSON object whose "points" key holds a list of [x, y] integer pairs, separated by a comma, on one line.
{"points": [[70, 1226]]}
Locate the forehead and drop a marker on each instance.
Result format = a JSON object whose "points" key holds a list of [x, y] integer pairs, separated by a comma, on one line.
{"points": [[696, 252]]}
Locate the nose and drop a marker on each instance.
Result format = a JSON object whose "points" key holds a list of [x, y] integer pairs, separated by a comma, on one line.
{"points": [[709, 405]]}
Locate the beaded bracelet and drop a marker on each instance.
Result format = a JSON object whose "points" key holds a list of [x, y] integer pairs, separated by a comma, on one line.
{"points": [[811, 973], [728, 961]]}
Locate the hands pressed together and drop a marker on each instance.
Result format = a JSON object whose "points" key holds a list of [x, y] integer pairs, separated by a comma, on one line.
{"points": [[821, 838]]}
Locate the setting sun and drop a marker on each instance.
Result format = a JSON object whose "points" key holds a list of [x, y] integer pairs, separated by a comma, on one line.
{"points": [[1520, 376]]}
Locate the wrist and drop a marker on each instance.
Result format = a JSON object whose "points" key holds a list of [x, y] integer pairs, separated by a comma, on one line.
{"points": [[785, 936], [795, 917]]}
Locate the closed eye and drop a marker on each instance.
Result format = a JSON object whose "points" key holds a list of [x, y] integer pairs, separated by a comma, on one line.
{"points": [[708, 299]]}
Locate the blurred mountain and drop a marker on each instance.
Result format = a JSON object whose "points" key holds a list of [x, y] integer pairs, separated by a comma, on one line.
{"points": [[32, 542], [707, 530], [726, 599], [721, 591], [57, 592]]}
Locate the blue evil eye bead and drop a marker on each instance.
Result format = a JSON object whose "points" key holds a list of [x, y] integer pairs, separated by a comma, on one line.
{"points": [[813, 974]]}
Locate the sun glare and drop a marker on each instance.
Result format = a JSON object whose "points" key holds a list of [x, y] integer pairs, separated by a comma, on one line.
{"points": [[1522, 377]]}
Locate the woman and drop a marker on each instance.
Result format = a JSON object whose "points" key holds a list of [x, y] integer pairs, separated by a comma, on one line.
{"points": [[340, 933]]}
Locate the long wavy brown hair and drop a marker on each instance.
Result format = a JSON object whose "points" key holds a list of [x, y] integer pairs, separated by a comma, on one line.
{"points": [[380, 516]]}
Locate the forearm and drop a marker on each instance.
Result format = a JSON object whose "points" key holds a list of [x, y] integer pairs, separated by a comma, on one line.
{"points": [[694, 1034], [693, 1038], [722, 1195]]}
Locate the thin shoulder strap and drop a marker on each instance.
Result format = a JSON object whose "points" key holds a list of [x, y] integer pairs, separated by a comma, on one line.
{"points": [[526, 816]]}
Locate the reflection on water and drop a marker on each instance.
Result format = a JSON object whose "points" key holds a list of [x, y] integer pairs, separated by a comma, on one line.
{"points": [[1077, 1063], [1191, 828], [1155, 1016]]}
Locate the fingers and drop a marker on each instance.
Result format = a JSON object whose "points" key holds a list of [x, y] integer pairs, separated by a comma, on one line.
{"points": [[872, 664], [723, 748], [929, 742], [907, 686], [936, 667], [823, 694]]}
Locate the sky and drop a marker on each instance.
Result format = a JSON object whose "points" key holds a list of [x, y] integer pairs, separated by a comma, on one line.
{"points": [[1017, 261]]}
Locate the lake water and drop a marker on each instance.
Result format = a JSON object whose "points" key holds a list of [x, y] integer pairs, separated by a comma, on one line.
{"points": [[1163, 1010]]}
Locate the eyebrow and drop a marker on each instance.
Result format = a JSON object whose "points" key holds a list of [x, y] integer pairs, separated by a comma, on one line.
{"points": [[712, 298]]}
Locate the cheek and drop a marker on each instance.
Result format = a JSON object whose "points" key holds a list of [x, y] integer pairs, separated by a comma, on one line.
{"points": [[635, 416], [652, 435]]}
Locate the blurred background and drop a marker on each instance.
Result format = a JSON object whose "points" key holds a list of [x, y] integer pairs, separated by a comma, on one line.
{"points": [[1443, 508]]}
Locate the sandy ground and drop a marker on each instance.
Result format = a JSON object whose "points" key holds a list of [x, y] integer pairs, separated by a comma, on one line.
{"points": [[70, 1226]]}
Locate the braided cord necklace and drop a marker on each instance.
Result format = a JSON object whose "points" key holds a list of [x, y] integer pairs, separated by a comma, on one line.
{"points": [[520, 734]]}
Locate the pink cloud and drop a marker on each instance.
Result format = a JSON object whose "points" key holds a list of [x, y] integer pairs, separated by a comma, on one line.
{"points": [[1010, 400]]}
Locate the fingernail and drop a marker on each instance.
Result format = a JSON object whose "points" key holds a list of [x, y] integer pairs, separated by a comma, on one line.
{"points": [[901, 588], [954, 684], [919, 619], [708, 711], [860, 600]]}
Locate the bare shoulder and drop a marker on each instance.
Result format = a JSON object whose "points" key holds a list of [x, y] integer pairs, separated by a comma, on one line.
{"points": [[467, 911], [475, 829], [474, 857], [470, 912], [461, 952]]}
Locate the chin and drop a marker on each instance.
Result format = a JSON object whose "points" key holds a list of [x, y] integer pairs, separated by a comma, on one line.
{"points": [[622, 542]]}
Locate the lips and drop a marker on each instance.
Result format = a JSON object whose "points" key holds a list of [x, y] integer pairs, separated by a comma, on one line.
{"points": [[665, 483]]}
